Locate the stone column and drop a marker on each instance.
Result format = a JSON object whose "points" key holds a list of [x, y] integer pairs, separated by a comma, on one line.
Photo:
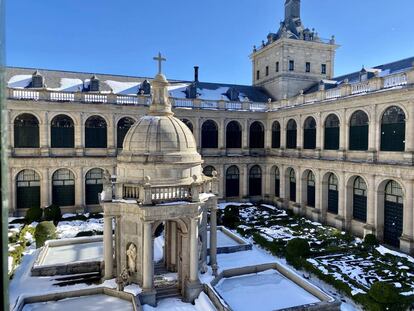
{"points": [[341, 201], [173, 245], [243, 177], [44, 133], [343, 136], [45, 188], [299, 134], [79, 136], [213, 234], [407, 237], [147, 264], [194, 250], [108, 248], [372, 146], [111, 136], [245, 136], [370, 224], [282, 134]]}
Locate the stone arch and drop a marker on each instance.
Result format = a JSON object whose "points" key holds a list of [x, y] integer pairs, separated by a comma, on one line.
{"points": [[63, 187], [276, 132], [256, 135], [96, 131], [62, 131], [233, 134], [122, 127], [27, 188], [26, 131], [393, 128], [232, 181], [332, 132], [209, 134], [291, 134], [291, 184], [359, 130], [208, 170], [255, 180], [309, 133]]}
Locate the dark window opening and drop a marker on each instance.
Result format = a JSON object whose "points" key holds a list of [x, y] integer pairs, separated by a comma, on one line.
{"points": [[308, 67]]}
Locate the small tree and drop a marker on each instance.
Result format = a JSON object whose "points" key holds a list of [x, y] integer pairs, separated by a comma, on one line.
{"points": [[387, 297], [46, 230], [296, 250], [33, 214], [370, 240], [53, 213]]}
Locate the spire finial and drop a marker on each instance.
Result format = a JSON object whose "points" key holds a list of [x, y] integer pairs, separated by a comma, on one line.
{"points": [[160, 59]]}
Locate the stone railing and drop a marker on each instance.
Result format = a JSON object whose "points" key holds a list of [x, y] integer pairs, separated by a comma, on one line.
{"points": [[132, 100], [348, 89], [149, 195]]}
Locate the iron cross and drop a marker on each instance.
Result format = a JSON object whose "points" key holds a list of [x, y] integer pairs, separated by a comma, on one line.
{"points": [[160, 59]]}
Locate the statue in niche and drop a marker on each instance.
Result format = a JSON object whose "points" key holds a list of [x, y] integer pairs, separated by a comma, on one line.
{"points": [[132, 257]]}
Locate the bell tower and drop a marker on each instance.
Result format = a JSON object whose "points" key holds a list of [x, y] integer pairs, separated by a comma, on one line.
{"points": [[294, 58]]}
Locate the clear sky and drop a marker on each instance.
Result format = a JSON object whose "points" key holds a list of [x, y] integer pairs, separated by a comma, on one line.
{"points": [[121, 37]]}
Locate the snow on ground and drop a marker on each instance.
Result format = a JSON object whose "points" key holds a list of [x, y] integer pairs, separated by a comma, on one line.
{"points": [[202, 303], [69, 229], [74, 252], [383, 251], [224, 205], [87, 303], [272, 289], [223, 239], [158, 248]]}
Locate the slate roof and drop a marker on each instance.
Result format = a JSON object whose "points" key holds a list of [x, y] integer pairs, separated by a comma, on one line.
{"points": [[128, 85]]}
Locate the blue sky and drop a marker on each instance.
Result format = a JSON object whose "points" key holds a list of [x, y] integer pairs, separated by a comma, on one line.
{"points": [[121, 37]]}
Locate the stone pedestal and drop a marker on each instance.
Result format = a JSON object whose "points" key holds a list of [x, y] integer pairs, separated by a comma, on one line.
{"points": [[148, 297], [369, 229], [192, 291], [407, 244]]}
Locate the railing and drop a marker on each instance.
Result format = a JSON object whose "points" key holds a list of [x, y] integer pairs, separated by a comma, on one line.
{"points": [[313, 97], [95, 98], [209, 105], [62, 97], [233, 106], [174, 193], [131, 192], [395, 80], [183, 103], [359, 88], [127, 100], [24, 94], [333, 93], [258, 106]]}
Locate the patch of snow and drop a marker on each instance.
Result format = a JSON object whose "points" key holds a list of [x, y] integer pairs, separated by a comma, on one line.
{"points": [[383, 251], [224, 205], [124, 88], [174, 203], [133, 289], [19, 81], [202, 303], [158, 248], [69, 229], [69, 85], [65, 254]]}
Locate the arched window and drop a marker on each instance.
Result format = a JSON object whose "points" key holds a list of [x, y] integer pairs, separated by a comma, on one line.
{"points": [[277, 182], [233, 135], [27, 189], [232, 182], [333, 194], [62, 132], [256, 135], [26, 131], [255, 181], [93, 186], [309, 134], [292, 186], [360, 200], [358, 131], [208, 171], [291, 134], [393, 213], [122, 129], [209, 135], [393, 130], [189, 124], [332, 132], [63, 188], [95, 132], [310, 182], [276, 135]]}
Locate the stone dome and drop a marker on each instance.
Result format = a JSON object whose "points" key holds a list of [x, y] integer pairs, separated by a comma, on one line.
{"points": [[159, 146]]}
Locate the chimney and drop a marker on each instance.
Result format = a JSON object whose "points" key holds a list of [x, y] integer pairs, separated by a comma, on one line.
{"points": [[196, 73]]}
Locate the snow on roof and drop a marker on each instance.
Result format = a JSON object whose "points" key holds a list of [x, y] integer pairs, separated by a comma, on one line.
{"points": [[178, 90], [124, 88], [19, 81], [69, 85]]}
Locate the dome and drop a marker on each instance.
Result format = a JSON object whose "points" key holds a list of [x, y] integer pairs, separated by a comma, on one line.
{"points": [[159, 135], [159, 146]]}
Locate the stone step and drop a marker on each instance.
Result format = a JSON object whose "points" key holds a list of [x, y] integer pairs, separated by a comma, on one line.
{"points": [[168, 292], [88, 278]]}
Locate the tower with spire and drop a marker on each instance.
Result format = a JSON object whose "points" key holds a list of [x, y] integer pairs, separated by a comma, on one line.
{"points": [[294, 58]]}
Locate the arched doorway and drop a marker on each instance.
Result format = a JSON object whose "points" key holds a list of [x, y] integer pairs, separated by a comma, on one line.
{"points": [[393, 130], [292, 185], [332, 132], [122, 129], [276, 135], [209, 135], [393, 213], [233, 135], [232, 182], [95, 132], [26, 131], [93, 185], [291, 134], [27, 189], [333, 194], [62, 132], [309, 134], [310, 186], [359, 210], [63, 188], [256, 135], [358, 131], [255, 181], [277, 182]]}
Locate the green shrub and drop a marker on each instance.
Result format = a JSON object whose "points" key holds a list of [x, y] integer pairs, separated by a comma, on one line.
{"points": [[384, 293], [46, 230], [296, 250], [370, 240], [53, 213], [88, 233], [231, 217], [33, 214]]}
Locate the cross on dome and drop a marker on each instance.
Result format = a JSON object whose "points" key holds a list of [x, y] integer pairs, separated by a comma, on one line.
{"points": [[160, 59]]}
